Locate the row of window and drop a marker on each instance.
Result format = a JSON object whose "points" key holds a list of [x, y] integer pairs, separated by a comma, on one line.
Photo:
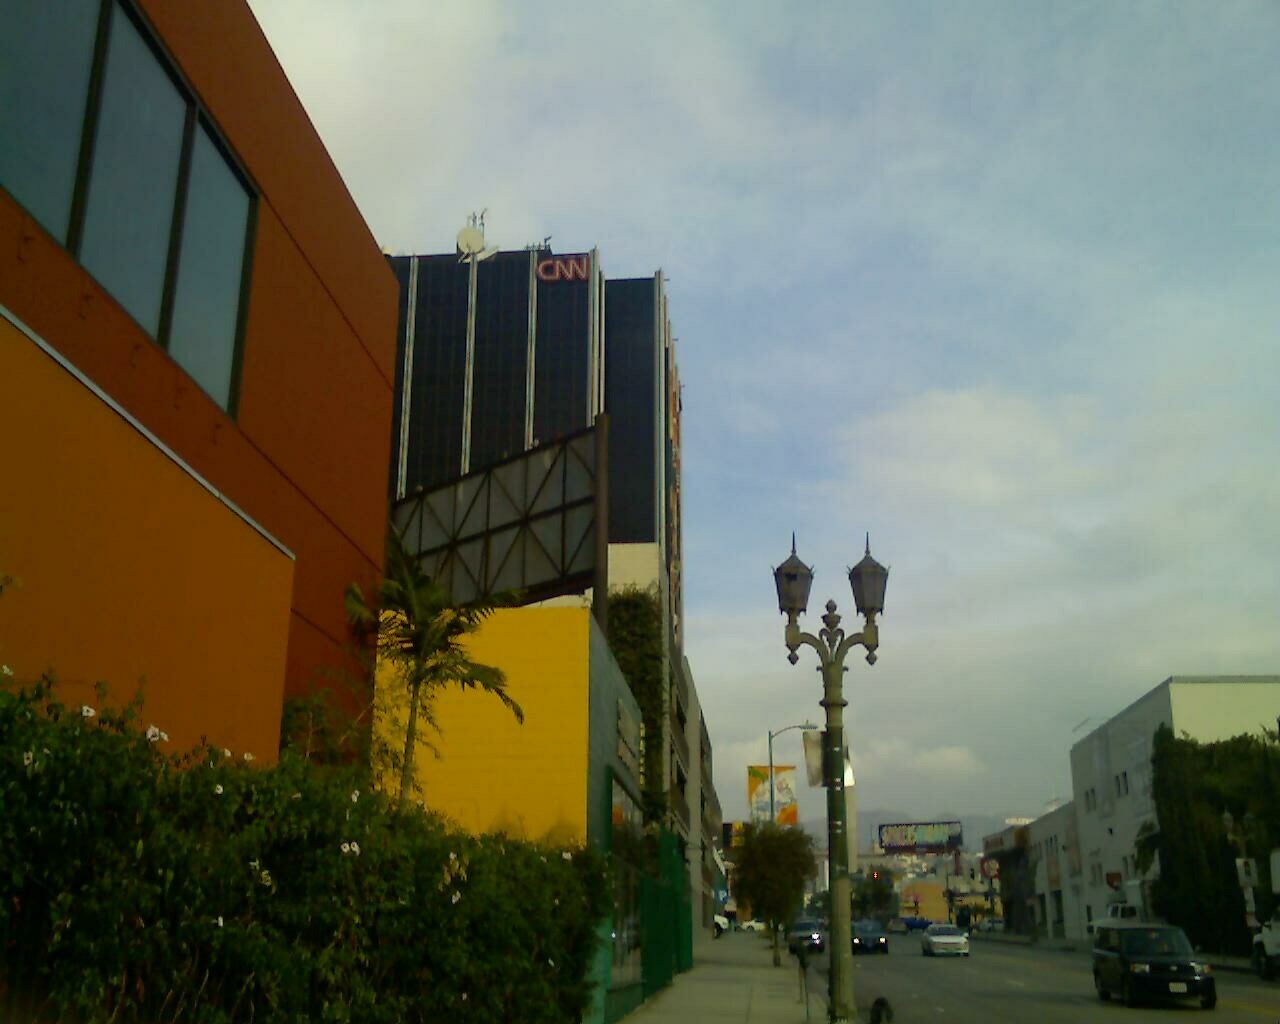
{"points": [[108, 150]]}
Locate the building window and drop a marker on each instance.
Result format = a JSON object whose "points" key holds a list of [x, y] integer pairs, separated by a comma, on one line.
{"points": [[46, 56], [107, 149], [206, 302], [134, 181]]}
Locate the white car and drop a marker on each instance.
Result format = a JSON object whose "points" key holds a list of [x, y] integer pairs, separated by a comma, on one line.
{"points": [[754, 925], [944, 940]]}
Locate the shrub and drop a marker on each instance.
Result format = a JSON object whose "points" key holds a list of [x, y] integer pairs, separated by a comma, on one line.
{"points": [[139, 886]]}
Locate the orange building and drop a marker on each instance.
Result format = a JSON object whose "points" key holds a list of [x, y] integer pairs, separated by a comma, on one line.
{"points": [[199, 330]]}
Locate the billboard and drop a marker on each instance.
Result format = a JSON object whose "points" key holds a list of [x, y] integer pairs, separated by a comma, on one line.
{"points": [[786, 812], [921, 837]]}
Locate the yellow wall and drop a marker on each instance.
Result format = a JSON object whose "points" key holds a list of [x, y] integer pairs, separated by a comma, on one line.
{"points": [[492, 773], [131, 569]]}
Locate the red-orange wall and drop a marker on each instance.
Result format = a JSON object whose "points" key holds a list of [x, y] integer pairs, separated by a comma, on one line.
{"points": [[307, 455]]}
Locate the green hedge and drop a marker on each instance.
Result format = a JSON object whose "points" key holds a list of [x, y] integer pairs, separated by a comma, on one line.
{"points": [[136, 886]]}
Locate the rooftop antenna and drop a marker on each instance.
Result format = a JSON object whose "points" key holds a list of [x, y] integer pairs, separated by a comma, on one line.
{"points": [[471, 247]]}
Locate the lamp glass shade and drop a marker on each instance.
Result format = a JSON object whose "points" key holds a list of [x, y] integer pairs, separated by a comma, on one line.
{"points": [[793, 579], [868, 579]]}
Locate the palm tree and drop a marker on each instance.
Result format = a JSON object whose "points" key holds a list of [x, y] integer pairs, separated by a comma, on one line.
{"points": [[421, 634]]}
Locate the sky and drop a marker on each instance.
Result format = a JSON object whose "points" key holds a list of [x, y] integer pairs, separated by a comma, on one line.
{"points": [[996, 283]]}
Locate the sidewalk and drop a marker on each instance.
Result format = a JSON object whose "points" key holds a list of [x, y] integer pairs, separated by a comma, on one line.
{"points": [[733, 980]]}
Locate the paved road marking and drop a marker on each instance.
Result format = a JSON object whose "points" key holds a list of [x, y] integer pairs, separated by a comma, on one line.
{"points": [[1020, 984]]}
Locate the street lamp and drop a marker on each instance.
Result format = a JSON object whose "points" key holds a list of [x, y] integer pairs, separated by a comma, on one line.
{"points": [[868, 579], [806, 727]]}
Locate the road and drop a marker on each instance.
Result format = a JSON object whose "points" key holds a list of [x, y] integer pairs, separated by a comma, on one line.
{"points": [[1004, 982]]}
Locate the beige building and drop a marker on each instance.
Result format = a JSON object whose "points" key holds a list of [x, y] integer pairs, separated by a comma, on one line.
{"points": [[1111, 777]]}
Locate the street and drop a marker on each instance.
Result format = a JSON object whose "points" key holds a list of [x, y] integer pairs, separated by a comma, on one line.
{"points": [[1004, 982]]}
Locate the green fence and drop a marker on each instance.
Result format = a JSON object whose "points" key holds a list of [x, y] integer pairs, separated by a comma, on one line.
{"points": [[666, 911]]}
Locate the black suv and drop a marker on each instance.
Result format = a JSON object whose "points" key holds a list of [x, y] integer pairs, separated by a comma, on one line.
{"points": [[1142, 960]]}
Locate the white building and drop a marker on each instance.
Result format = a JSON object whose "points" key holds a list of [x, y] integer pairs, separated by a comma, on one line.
{"points": [[1111, 778]]}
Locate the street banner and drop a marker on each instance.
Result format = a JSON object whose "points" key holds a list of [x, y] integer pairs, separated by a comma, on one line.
{"points": [[786, 812]]}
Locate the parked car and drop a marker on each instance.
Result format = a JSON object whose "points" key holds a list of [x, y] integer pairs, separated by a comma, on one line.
{"points": [[917, 924], [806, 933], [944, 940], [869, 937], [753, 925], [1143, 961], [991, 924], [720, 923], [1266, 948]]}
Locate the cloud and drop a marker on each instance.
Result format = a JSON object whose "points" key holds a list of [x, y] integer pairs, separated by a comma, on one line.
{"points": [[994, 283]]}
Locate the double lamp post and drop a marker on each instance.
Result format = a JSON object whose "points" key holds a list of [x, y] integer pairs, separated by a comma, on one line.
{"points": [[868, 579]]}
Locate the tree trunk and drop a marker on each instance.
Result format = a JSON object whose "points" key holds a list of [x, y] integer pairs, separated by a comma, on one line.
{"points": [[410, 740]]}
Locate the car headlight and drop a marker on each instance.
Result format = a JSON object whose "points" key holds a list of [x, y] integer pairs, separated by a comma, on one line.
{"points": [[1140, 968], [1202, 968], [857, 941]]}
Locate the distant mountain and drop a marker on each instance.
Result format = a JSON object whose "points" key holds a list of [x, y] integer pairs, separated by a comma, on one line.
{"points": [[973, 826]]}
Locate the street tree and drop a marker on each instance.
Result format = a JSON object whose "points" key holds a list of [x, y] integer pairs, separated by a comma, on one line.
{"points": [[873, 895], [772, 866], [421, 639]]}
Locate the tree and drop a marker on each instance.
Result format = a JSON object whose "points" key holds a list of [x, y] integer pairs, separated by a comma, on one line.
{"points": [[1192, 785], [873, 895], [772, 866], [421, 635]]}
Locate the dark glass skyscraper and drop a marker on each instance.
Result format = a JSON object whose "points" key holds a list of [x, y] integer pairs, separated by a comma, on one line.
{"points": [[497, 372], [527, 347]]}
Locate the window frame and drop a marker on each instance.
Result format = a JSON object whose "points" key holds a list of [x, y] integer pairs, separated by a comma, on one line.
{"points": [[196, 116]]}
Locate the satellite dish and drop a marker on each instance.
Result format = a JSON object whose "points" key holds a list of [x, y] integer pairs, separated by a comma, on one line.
{"points": [[470, 241]]}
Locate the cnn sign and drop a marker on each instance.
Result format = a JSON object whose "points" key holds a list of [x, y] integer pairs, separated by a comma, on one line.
{"points": [[564, 268]]}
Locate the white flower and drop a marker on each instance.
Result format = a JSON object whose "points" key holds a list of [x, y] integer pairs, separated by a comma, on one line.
{"points": [[219, 920], [254, 865], [86, 711], [355, 848], [218, 789], [153, 733], [567, 855], [355, 795], [456, 897], [346, 847], [226, 752], [27, 758], [6, 670], [248, 756], [452, 857], [551, 962], [266, 878], [557, 902], [296, 796], [464, 997]]}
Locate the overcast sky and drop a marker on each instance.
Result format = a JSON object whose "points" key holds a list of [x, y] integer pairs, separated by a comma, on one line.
{"points": [[998, 283]]}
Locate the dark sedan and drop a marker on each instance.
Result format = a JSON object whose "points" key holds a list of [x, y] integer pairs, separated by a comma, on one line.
{"points": [[1140, 961], [869, 937]]}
